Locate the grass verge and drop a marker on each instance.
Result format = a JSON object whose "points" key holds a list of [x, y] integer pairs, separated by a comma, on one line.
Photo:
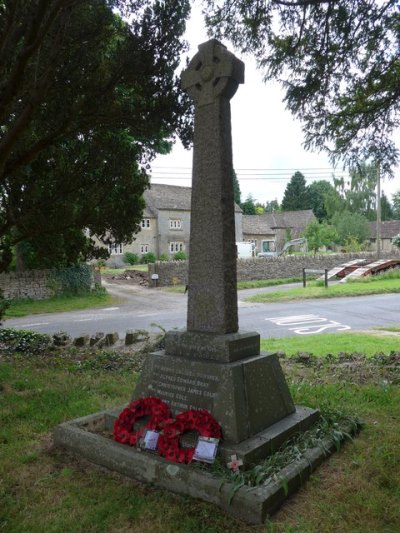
{"points": [[313, 290], [369, 343], [59, 304], [42, 488], [253, 284]]}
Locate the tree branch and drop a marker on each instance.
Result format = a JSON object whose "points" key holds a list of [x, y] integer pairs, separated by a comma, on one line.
{"points": [[303, 3]]}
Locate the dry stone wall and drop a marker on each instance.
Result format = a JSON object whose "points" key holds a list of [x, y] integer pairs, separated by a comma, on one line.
{"points": [[176, 272], [35, 284]]}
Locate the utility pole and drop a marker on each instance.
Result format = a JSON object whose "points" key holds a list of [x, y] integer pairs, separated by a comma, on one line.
{"points": [[378, 211]]}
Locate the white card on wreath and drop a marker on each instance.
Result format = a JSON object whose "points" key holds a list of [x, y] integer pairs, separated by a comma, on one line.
{"points": [[150, 440], [206, 449]]}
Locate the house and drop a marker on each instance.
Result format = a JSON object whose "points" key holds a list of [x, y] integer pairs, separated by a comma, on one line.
{"points": [[270, 231], [165, 226], [389, 229]]}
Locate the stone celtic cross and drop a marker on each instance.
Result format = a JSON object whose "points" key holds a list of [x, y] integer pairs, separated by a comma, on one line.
{"points": [[211, 79]]}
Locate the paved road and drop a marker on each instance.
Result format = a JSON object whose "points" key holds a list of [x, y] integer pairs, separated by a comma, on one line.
{"points": [[150, 308]]}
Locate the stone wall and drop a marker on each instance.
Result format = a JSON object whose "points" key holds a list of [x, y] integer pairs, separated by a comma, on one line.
{"points": [[175, 272], [35, 284]]}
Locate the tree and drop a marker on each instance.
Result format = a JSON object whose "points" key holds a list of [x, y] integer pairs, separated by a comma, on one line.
{"points": [[236, 189], [248, 206], [320, 193], [337, 61], [358, 193], [272, 206], [296, 196], [319, 234], [396, 205], [260, 209], [386, 208], [86, 101], [395, 242], [350, 226]]}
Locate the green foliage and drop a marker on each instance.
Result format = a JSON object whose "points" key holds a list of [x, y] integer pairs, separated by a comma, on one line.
{"points": [[337, 61], [272, 206], [131, 258], [180, 256], [319, 234], [149, 257], [4, 305], [396, 205], [296, 196], [386, 208], [321, 194], [27, 342], [333, 425], [164, 257], [358, 193], [352, 244], [248, 206], [73, 280], [236, 189], [396, 240], [350, 225], [65, 166]]}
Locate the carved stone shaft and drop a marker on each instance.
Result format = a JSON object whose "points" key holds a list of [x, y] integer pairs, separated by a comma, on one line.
{"points": [[211, 80]]}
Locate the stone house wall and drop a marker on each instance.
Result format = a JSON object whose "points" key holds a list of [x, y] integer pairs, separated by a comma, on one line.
{"points": [[35, 284], [176, 272], [168, 235]]}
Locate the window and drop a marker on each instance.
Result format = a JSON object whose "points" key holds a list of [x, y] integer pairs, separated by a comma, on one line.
{"points": [[144, 248], [115, 248], [176, 247], [175, 223], [145, 224]]}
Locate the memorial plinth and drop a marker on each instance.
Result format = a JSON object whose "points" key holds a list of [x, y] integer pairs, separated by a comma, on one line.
{"points": [[212, 364]]}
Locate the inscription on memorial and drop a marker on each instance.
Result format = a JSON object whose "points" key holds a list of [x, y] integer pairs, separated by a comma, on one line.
{"points": [[184, 388]]}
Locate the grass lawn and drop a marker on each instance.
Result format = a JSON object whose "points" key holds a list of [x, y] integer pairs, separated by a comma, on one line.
{"points": [[19, 308], [45, 489], [140, 268], [368, 342], [254, 284], [374, 285]]}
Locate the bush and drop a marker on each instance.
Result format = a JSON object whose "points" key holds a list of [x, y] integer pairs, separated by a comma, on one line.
{"points": [[4, 305], [72, 280], [163, 257], [396, 240], [29, 342], [131, 258], [148, 258], [180, 256]]}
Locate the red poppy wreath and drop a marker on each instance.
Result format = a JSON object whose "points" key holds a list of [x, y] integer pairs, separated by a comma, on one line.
{"points": [[199, 420], [124, 430]]}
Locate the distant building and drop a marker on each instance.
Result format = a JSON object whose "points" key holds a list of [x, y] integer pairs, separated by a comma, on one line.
{"points": [[165, 226], [275, 228], [389, 229]]}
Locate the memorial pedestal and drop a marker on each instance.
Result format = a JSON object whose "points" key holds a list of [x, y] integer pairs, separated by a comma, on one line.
{"points": [[243, 389]]}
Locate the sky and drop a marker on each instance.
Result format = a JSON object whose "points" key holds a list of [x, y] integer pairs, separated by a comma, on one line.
{"points": [[267, 140]]}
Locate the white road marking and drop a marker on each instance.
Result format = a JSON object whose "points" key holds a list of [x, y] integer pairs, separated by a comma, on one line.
{"points": [[110, 309], [34, 324], [307, 320], [84, 320]]}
